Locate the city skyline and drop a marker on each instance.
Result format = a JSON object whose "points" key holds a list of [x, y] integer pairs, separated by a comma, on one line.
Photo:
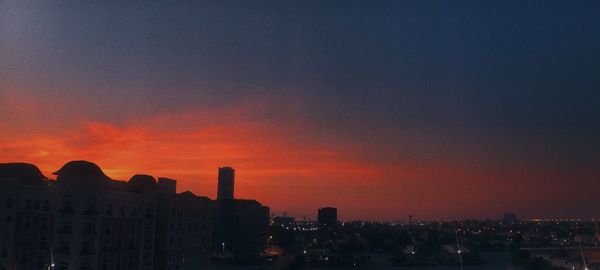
{"points": [[438, 110], [283, 213]]}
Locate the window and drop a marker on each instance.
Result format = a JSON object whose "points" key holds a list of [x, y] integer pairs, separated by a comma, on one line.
{"points": [[90, 206], [27, 221], [109, 210], [88, 228], [65, 247], [65, 227], [122, 211], [46, 206], [9, 203], [107, 227], [85, 248], [36, 206], [68, 207], [28, 205], [43, 242], [44, 224]]}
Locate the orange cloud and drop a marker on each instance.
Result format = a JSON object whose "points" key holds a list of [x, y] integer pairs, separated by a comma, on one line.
{"points": [[285, 163], [191, 146]]}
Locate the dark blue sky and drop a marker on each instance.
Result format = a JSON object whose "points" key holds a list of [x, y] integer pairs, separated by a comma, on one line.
{"points": [[499, 83]]}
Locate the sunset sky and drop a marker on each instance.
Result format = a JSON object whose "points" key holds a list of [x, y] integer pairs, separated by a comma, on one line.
{"points": [[439, 109]]}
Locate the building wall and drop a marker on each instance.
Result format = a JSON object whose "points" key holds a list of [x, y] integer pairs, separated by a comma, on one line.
{"points": [[98, 225], [27, 226], [242, 226], [185, 232]]}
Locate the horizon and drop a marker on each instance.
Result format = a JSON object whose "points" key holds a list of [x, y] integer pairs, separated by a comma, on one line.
{"points": [[438, 110], [313, 216]]}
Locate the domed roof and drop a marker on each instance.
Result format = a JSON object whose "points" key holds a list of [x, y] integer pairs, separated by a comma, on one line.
{"points": [[141, 181], [81, 169], [21, 171]]}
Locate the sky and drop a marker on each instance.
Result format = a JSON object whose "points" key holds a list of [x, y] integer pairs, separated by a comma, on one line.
{"points": [[437, 109]]}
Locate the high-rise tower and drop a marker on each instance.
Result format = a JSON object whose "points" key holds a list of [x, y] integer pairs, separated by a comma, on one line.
{"points": [[225, 189]]}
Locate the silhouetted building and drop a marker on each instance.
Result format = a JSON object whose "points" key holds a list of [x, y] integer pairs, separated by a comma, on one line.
{"points": [[284, 221], [510, 218], [241, 226], [226, 182], [27, 211], [184, 232], [327, 217], [85, 220]]}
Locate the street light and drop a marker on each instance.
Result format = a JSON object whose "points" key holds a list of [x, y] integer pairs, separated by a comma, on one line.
{"points": [[51, 265], [223, 245]]}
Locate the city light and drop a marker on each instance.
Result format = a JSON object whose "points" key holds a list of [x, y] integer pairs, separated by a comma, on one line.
{"points": [[359, 133]]}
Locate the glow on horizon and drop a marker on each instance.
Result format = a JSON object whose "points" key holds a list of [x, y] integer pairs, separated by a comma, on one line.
{"points": [[276, 165], [351, 106]]}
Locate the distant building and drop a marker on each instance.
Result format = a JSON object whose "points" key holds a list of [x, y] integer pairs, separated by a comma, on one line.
{"points": [[327, 217], [284, 221], [85, 220], [226, 182], [510, 218]]}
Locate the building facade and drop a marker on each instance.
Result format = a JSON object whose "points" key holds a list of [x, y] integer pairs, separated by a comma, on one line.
{"points": [[184, 233], [85, 220], [241, 227]]}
